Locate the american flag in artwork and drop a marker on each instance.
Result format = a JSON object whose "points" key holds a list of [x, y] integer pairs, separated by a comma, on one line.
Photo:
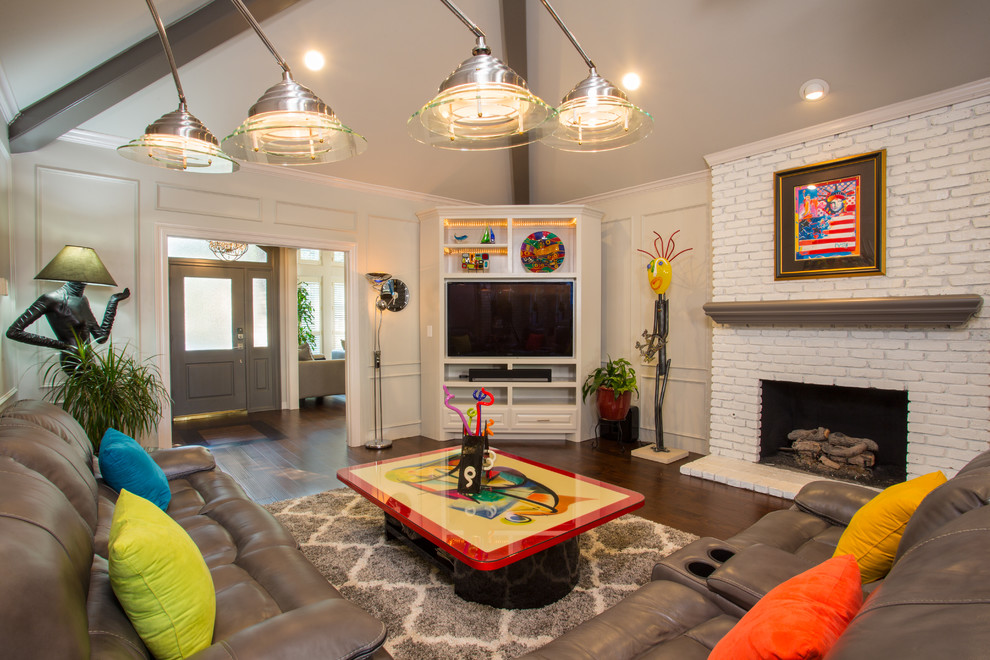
{"points": [[826, 219]]}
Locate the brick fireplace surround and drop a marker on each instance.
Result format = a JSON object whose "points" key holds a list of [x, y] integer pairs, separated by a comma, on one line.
{"points": [[937, 243]]}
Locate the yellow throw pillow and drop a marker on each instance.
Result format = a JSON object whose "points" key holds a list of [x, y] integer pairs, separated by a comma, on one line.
{"points": [[160, 578], [874, 532]]}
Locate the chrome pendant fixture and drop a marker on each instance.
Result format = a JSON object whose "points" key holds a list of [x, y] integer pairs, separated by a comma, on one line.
{"points": [[289, 124], [595, 115], [483, 104], [178, 140]]}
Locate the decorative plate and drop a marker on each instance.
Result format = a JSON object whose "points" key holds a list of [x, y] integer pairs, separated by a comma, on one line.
{"points": [[542, 252]]}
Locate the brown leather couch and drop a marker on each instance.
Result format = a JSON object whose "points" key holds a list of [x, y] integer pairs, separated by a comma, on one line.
{"points": [[934, 603], [54, 524]]}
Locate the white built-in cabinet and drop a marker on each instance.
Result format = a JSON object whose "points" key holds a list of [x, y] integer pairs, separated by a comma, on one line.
{"points": [[523, 409]]}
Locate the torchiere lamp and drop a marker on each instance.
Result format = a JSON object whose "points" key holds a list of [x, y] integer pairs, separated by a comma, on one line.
{"points": [[393, 295], [66, 308]]}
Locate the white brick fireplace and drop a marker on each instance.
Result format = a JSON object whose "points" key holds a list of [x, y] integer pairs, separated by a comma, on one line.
{"points": [[938, 243]]}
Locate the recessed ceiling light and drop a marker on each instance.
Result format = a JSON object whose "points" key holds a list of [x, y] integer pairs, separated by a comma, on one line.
{"points": [[814, 90], [314, 60], [631, 81]]}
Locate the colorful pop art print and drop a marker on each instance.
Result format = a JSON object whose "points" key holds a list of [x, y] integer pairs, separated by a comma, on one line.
{"points": [[829, 218], [826, 219]]}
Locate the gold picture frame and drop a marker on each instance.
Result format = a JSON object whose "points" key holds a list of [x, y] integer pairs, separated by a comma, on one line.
{"points": [[829, 218]]}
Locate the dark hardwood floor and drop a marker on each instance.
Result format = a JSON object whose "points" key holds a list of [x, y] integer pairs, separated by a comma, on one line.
{"points": [[280, 455]]}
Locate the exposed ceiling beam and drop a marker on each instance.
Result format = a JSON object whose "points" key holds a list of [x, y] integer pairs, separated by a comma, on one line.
{"points": [[131, 71], [516, 57]]}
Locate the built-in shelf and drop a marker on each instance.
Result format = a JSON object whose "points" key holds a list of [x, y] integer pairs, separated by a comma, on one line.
{"points": [[936, 310]]}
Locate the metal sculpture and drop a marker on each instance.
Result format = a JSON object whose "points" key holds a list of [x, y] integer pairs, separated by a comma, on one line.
{"points": [[66, 308], [659, 273]]}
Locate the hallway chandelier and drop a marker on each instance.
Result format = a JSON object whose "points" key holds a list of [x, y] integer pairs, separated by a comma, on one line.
{"points": [[228, 250], [178, 140]]}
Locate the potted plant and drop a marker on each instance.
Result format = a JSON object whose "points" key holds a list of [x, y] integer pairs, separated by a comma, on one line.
{"points": [[107, 389], [307, 316], [614, 384]]}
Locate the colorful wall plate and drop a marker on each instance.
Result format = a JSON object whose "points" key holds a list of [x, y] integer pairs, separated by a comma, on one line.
{"points": [[542, 252]]}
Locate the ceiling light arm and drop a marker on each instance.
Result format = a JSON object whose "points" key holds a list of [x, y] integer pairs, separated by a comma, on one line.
{"points": [[168, 53], [481, 47], [261, 35], [587, 60]]}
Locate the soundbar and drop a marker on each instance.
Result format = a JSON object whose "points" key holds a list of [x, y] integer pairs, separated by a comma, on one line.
{"points": [[530, 375]]}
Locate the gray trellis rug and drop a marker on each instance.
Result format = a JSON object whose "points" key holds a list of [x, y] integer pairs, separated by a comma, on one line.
{"points": [[343, 535]]}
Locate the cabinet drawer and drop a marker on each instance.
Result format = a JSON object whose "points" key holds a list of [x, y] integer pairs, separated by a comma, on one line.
{"points": [[452, 420], [538, 420]]}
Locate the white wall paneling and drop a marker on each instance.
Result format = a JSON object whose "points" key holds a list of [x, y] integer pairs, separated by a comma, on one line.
{"points": [[315, 217]]}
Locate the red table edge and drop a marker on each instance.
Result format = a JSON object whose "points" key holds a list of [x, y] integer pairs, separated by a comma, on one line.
{"points": [[510, 553]]}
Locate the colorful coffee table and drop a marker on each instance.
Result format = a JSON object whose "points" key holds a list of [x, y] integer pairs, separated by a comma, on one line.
{"points": [[515, 544]]}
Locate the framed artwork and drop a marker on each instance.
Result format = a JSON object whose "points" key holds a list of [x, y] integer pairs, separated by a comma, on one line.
{"points": [[829, 218]]}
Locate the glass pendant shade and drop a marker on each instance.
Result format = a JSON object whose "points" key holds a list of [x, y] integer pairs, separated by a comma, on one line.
{"points": [[179, 141], [290, 125], [482, 105], [597, 116]]}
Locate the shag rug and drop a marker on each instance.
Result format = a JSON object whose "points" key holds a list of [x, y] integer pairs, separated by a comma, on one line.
{"points": [[343, 535]]}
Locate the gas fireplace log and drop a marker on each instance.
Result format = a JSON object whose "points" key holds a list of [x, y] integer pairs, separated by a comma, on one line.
{"points": [[866, 460], [835, 452], [829, 463], [843, 440], [816, 435], [809, 446]]}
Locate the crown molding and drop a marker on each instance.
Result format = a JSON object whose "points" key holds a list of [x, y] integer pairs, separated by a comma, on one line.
{"points": [[870, 117], [702, 176], [104, 141]]}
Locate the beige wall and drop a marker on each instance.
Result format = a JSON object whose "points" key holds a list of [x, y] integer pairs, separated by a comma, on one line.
{"points": [[75, 193], [631, 217]]}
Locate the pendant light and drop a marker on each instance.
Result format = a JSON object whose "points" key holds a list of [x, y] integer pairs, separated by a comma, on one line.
{"points": [[482, 104], [177, 140], [289, 124], [595, 115]]}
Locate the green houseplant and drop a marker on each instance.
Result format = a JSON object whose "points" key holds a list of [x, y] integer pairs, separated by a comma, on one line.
{"points": [[307, 316], [614, 384], [107, 388]]}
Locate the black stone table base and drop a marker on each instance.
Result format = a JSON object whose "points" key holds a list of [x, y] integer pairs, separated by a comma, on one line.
{"points": [[533, 581]]}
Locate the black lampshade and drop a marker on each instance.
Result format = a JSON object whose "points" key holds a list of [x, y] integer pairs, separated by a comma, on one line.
{"points": [[76, 264]]}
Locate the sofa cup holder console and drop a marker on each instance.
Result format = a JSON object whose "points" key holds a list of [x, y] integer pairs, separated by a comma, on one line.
{"points": [[695, 562]]}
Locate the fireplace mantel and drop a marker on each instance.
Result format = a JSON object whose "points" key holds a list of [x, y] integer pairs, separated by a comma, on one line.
{"points": [[939, 310]]}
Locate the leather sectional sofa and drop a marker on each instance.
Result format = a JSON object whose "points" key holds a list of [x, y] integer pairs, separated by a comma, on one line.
{"points": [[934, 602], [55, 518]]}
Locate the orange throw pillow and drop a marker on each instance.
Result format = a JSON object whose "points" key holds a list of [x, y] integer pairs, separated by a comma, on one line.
{"points": [[799, 618]]}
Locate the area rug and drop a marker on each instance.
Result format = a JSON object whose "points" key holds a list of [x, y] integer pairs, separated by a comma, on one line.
{"points": [[343, 535]]}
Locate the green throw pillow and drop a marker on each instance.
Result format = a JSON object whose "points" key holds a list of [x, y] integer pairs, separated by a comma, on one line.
{"points": [[160, 578]]}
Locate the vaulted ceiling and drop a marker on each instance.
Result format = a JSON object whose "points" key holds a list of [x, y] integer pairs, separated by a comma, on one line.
{"points": [[716, 73]]}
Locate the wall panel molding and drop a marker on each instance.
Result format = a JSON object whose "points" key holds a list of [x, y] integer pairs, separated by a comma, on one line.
{"points": [[204, 202], [314, 217]]}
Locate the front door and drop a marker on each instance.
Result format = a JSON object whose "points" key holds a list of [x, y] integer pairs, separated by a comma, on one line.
{"points": [[223, 348]]}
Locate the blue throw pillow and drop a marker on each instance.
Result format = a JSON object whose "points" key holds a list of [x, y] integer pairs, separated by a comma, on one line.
{"points": [[125, 464]]}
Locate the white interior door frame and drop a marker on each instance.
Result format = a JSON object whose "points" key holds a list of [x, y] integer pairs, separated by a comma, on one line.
{"points": [[289, 351]]}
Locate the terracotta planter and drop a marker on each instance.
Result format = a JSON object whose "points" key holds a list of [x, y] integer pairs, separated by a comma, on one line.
{"points": [[610, 408]]}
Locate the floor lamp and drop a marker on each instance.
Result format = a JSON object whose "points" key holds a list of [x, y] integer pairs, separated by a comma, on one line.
{"points": [[393, 295]]}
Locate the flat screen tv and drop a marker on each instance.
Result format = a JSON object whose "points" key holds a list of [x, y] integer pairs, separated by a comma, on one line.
{"points": [[510, 319]]}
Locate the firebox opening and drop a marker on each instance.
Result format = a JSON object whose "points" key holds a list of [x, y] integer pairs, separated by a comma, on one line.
{"points": [[880, 415]]}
